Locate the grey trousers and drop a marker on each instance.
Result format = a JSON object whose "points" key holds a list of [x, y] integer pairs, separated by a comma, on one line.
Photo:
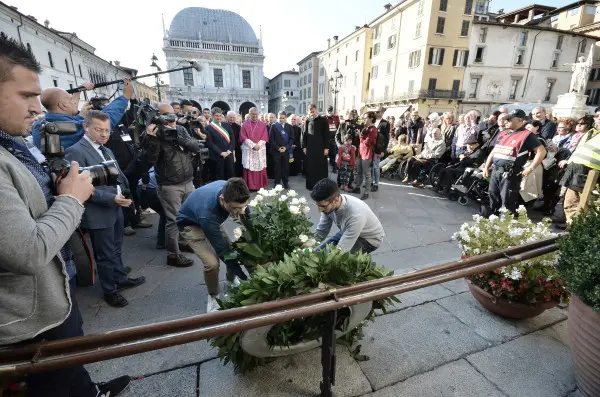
{"points": [[171, 197], [363, 170]]}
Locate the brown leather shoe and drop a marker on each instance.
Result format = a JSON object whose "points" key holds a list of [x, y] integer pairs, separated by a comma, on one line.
{"points": [[179, 261]]}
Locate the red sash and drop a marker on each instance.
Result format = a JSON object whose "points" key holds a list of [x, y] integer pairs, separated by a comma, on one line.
{"points": [[221, 131]]}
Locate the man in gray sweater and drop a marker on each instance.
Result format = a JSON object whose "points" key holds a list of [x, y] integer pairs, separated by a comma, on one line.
{"points": [[359, 227], [36, 299]]}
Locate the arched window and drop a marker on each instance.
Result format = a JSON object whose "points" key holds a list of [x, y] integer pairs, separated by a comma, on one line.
{"points": [[67, 66], [50, 59]]}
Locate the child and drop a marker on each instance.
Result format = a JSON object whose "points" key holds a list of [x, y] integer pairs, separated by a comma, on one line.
{"points": [[402, 151], [346, 162]]}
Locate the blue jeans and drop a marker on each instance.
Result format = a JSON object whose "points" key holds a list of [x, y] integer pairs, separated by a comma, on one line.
{"points": [[361, 244], [376, 169]]}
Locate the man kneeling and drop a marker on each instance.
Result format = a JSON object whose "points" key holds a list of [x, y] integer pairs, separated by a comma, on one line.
{"points": [[359, 227], [200, 221]]}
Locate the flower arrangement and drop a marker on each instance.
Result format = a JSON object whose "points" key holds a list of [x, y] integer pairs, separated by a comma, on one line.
{"points": [[532, 281], [277, 225]]}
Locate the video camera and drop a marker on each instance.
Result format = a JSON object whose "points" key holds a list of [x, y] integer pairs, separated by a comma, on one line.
{"points": [[104, 174], [147, 114], [98, 102]]}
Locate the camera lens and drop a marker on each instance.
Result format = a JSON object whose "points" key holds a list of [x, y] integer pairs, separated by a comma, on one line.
{"points": [[105, 174]]}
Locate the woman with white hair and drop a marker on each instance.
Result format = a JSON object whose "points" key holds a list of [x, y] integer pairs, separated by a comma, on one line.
{"points": [[433, 123]]}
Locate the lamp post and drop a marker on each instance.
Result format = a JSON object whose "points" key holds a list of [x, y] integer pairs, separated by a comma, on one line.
{"points": [[156, 68], [335, 83]]}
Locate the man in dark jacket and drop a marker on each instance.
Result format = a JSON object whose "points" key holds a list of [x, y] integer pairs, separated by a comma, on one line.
{"points": [[281, 138], [472, 158], [236, 128], [174, 173], [221, 145]]}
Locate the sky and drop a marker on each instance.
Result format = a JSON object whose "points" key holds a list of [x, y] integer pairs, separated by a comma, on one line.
{"points": [[131, 31]]}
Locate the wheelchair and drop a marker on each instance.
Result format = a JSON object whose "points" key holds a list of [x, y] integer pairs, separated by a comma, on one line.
{"points": [[476, 189], [430, 173]]}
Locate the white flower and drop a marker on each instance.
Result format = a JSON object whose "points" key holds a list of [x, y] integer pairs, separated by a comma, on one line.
{"points": [[237, 232], [272, 193], [310, 243], [294, 209], [292, 193], [493, 218], [253, 203], [306, 210], [259, 198], [302, 200], [295, 201], [515, 274], [465, 236], [263, 192], [283, 197], [303, 238], [503, 210], [521, 209], [278, 188]]}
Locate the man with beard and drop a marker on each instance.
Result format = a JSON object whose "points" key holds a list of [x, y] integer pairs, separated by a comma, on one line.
{"points": [[315, 144], [333, 120], [235, 127]]}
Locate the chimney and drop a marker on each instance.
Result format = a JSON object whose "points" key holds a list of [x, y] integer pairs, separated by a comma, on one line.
{"points": [[387, 7], [47, 24], [117, 63], [328, 43], [357, 27], [335, 38]]}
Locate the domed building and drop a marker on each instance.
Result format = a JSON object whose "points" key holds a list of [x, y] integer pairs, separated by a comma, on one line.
{"points": [[230, 54]]}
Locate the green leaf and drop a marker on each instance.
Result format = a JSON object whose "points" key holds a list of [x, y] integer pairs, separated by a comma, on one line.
{"points": [[252, 249]]}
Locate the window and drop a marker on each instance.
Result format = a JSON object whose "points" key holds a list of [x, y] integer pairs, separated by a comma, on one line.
{"points": [[549, 87], [247, 79], [218, 76], [310, 78], [574, 11], [460, 58], [455, 88], [287, 83], [482, 34], [67, 66], [55, 83], [355, 79], [444, 5], [474, 87], [523, 39], [386, 93], [301, 95], [436, 56], [420, 9], [80, 72], [432, 84], [51, 62], [356, 56], [320, 106], [464, 30], [582, 46], [479, 55], [376, 49], [29, 47], [377, 32], [188, 78], [411, 85], [391, 42], [346, 61], [374, 72], [388, 69], [555, 57], [590, 10], [440, 25], [468, 7], [321, 72], [514, 86], [414, 59], [321, 88], [418, 30], [305, 80], [481, 7], [559, 41], [309, 92], [520, 57]]}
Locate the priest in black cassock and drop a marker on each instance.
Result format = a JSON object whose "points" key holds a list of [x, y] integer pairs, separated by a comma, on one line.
{"points": [[315, 144]]}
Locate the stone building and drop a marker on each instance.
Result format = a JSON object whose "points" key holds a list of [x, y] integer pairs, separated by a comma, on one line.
{"points": [[284, 92], [308, 81]]}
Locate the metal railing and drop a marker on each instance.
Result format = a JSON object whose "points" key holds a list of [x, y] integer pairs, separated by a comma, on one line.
{"points": [[50, 356]]}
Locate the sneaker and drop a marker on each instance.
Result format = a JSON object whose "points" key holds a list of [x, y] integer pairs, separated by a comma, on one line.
{"points": [[374, 188], [128, 231], [364, 196], [212, 305], [179, 261], [142, 225], [114, 387]]}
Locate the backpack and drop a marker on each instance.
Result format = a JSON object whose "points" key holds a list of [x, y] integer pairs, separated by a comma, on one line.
{"points": [[379, 144]]}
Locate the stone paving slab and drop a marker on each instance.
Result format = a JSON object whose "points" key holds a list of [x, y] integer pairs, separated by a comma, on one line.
{"points": [[418, 297], [456, 379], [412, 341], [534, 365], [180, 383], [457, 286], [295, 376], [427, 255], [558, 331], [549, 317]]}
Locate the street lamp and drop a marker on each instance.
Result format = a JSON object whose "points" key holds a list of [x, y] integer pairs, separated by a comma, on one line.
{"points": [[156, 68], [335, 83]]}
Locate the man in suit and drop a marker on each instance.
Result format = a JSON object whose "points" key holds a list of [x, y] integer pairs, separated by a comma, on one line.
{"points": [[221, 145], [103, 217], [281, 138], [236, 128]]}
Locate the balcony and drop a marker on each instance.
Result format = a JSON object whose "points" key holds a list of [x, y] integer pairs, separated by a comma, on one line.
{"points": [[441, 94]]}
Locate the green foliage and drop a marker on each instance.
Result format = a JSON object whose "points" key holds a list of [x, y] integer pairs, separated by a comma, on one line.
{"points": [[579, 261], [300, 273]]}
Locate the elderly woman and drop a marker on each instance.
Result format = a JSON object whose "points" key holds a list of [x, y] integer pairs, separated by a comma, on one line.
{"points": [[433, 123], [433, 150]]}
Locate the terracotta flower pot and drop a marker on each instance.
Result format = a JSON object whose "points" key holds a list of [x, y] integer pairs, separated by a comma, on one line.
{"points": [[507, 309], [584, 339]]}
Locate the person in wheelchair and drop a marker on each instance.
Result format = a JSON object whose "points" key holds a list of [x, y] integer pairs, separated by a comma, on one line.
{"points": [[473, 157], [400, 152], [432, 151]]}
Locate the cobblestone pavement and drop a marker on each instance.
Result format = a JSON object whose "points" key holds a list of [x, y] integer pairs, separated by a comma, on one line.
{"points": [[438, 342]]}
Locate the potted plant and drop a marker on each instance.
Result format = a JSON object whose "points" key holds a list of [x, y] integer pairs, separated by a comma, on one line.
{"points": [[524, 289], [579, 266]]}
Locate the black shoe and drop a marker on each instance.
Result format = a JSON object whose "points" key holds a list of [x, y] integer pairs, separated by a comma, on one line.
{"points": [[142, 225], [179, 261], [161, 246], [131, 283], [374, 188], [355, 190], [127, 269], [286, 187], [115, 299], [364, 196], [114, 387], [334, 171], [561, 226]]}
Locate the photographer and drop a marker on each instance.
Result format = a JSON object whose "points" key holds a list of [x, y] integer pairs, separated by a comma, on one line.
{"points": [[37, 301], [174, 170], [62, 106]]}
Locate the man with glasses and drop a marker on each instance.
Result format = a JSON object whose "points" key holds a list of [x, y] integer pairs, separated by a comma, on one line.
{"points": [[200, 221], [360, 228]]}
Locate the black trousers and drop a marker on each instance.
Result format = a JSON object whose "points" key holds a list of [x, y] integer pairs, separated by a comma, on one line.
{"points": [[67, 382], [504, 192], [224, 168], [281, 168], [333, 151]]}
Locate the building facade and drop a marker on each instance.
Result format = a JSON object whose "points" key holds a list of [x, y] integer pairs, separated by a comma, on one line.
{"points": [[518, 63], [284, 93], [66, 60], [308, 81], [230, 54]]}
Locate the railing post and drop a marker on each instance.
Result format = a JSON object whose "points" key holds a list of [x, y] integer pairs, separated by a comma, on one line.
{"points": [[328, 354]]}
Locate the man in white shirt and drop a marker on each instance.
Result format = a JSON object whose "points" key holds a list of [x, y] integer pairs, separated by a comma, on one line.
{"points": [[359, 227]]}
